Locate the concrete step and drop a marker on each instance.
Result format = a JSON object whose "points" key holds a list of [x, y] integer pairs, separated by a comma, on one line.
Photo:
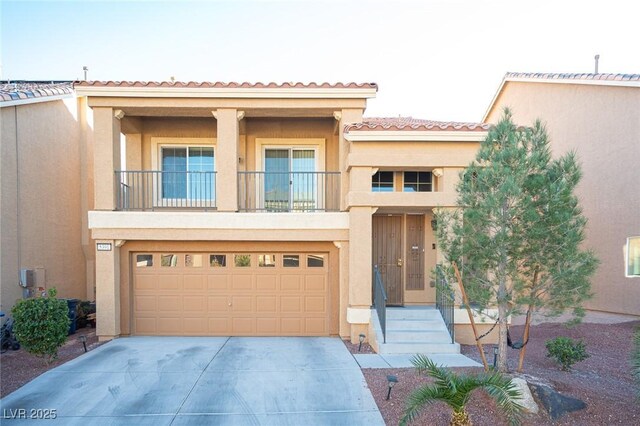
{"points": [[409, 313], [415, 348], [418, 336], [416, 324]]}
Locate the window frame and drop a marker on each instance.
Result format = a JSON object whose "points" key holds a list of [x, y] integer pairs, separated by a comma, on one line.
{"points": [[375, 188], [627, 257], [418, 183]]}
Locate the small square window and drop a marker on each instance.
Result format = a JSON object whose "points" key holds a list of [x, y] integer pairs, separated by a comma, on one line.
{"points": [[193, 260], [169, 260], [382, 182], [267, 260], [218, 260], [144, 260], [418, 182], [242, 260], [291, 261], [315, 261], [633, 257]]}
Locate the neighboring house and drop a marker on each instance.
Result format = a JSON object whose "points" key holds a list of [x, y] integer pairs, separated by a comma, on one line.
{"points": [[44, 192], [260, 209], [598, 117]]}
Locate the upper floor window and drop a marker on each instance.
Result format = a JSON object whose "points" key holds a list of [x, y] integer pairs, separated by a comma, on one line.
{"points": [[382, 182], [187, 172], [633, 257], [418, 182]]}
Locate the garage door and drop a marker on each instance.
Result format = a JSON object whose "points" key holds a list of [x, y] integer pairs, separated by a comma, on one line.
{"points": [[231, 294]]}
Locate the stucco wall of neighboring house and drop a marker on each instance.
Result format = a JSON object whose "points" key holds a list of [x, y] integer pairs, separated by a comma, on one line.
{"points": [[41, 210], [602, 125]]}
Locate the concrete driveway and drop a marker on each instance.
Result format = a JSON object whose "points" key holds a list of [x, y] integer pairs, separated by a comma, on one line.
{"points": [[197, 381]]}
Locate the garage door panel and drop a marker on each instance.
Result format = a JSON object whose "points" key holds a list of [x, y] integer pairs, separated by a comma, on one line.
{"points": [[170, 303], [221, 298], [242, 326], [241, 282], [315, 283], [218, 304], [315, 325], [267, 326], [266, 283], [145, 282], [266, 304], [315, 304], [291, 283], [218, 282], [195, 326], [169, 325], [219, 325], [291, 304], [194, 282], [170, 282], [145, 303], [194, 304], [242, 304]]}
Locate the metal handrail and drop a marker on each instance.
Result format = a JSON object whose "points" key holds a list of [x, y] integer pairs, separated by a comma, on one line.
{"points": [[445, 300], [288, 191], [155, 190], [380, 301]]}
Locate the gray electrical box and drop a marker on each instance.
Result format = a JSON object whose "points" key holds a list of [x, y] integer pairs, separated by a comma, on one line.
{"points": [[27, 278]]}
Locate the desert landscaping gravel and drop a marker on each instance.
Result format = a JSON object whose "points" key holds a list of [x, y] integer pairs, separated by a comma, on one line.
{"points": [[20, 367], [603, 381]]}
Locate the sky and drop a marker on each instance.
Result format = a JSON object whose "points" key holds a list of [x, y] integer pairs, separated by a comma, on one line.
{"points": [[439, 60]]}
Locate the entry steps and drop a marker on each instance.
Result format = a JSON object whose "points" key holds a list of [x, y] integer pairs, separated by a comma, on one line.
{"points": [[413, 330]]}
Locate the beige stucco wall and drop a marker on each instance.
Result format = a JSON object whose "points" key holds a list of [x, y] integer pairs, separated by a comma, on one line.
{"points": [[602, 124], [41, 209]]}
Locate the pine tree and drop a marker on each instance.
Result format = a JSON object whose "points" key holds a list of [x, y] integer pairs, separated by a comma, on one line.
{"points": [[517, 235]]}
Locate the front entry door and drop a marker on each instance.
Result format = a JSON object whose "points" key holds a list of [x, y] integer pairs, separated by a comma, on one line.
{"points": [[415, 252], [387, 254]]}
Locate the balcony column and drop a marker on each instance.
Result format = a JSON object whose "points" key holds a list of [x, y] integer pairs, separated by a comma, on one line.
{"points": [[107, 289], [106, 156], [228, 147], [360, 252], [344, 117]]}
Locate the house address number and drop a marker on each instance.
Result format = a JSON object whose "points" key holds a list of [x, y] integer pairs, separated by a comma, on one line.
{"points": [[104, 246]]}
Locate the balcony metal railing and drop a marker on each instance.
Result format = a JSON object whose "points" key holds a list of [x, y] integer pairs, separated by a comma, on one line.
{"points": [[155, 190], [380, 301], [445, 301], [289, 191]]}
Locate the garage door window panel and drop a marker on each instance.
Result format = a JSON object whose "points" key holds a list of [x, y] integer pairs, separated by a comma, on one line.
{"points": [[218, 260], [267, 260], [242, 260], [315, 261], [144, 260], [193, 260], [291, 261], [169, 260]]}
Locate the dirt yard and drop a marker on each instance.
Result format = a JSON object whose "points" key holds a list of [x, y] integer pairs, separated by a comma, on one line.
{"points": [[19, 367], [603, 381]]}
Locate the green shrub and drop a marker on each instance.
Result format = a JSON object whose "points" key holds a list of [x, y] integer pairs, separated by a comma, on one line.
{"points": [[566, 351], [41, 325]]}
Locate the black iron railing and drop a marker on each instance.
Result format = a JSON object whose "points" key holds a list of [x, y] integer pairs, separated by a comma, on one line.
{"points": [[289, 191], [445, 298], [155, 190], [380, 301]]}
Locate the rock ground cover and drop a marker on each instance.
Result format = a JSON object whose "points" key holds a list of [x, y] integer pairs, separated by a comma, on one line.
{"points": [[603, 381]]}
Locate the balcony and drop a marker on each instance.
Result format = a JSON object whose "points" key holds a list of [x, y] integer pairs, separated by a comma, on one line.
{"points": [[150, 190], [289, 191]]}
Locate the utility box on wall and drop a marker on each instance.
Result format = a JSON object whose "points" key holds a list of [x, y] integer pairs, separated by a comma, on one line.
{"points": [[27, 278]]}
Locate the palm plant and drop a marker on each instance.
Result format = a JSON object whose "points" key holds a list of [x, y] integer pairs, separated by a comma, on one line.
{"points": [[455, 390]]}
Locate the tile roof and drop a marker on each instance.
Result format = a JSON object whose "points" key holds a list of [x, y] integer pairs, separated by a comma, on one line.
{"points": [[413, 124], [567, 76], [27, 90], [227, 85]]}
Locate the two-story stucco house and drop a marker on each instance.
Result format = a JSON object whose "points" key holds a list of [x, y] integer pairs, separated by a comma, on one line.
{"points": [[598, 117], [261, 209]]}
